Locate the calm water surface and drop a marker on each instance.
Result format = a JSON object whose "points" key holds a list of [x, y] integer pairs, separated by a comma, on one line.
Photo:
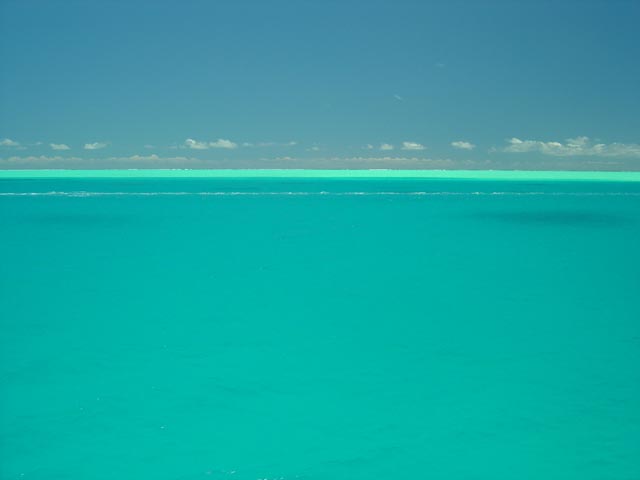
{"points": [[319, 329]]}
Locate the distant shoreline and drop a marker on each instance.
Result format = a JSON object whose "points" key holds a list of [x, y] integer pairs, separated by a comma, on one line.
{"points": [[528, 175]]}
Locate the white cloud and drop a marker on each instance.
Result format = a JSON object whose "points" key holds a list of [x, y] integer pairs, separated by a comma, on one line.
{"points": [[412, 146], [386, 147], [220, 143], [191, 143], [270, 144], [94, 146], [579, 146], [153, 156], [398, 97], [59, 146], [462, 145], [7, 142]]}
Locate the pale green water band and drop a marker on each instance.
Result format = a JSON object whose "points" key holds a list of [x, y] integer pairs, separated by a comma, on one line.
{"points": [[282, 173]]}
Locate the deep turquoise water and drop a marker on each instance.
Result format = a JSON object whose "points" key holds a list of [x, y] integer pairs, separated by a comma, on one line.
{"points": [[384, 329]]}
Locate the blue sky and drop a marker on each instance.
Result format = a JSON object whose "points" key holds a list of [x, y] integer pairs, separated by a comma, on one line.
{"points": [[329, 84]]}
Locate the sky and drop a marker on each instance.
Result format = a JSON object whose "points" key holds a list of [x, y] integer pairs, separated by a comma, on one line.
{"points": [[484, 84]]}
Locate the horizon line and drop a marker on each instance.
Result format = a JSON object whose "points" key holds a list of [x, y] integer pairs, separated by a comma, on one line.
{"points": [[575, 175]]}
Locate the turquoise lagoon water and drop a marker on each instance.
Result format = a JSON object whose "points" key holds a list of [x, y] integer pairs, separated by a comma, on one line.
{"points": [[319, 328]]}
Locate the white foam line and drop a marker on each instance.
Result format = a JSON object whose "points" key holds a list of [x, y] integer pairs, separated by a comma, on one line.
{"points": [[154, 194]]}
